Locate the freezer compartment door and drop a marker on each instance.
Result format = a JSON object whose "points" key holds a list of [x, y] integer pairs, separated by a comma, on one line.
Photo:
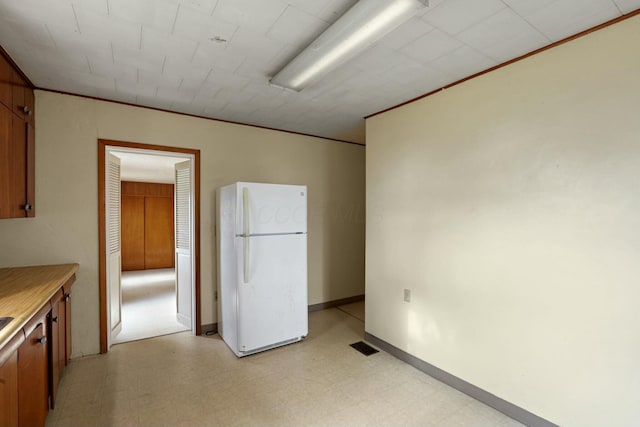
{"points": [[271, 208], [272, 302]]}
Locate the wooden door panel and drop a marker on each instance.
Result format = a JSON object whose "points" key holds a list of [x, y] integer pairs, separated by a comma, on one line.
{"points": [[30, 170], [18, 167], [67, 328], [133, 239], [9, 389], [131, 188], [5, 83], [54, 348], [18, 86], [158, 236], [33, 388], [29, 103], [5, 140]]}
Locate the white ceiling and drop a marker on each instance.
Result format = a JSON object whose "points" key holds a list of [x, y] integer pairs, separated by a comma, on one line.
{"points": [[147, 167], [164, 53]]}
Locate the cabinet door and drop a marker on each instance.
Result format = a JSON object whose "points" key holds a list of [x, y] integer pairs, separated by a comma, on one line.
{"points": [[18, 168], [159, 251], [30, 170], [67, 324], [9, 387], [5, 140], [62, 334], [5, 83], [132, 215], [29, 106], [54, 347], [17, 88], [33, 389]]}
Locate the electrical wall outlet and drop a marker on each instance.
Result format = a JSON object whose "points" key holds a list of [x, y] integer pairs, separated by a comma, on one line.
{"points": [[407, 295]]}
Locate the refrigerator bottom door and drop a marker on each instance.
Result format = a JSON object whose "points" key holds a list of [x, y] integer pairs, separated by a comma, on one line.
{"points": [[272, 302]]}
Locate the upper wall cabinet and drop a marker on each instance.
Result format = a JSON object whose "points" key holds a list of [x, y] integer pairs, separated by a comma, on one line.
{"points": [[17, 144]]}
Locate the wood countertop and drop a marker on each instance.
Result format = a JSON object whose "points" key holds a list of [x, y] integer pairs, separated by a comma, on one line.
{"points": [[25, 290]]}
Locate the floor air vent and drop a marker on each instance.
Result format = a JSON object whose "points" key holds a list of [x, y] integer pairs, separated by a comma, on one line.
{"points": [[364, 348]]}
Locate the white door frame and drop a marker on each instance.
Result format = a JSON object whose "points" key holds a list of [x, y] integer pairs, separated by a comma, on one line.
{"points": [[116, 149]]}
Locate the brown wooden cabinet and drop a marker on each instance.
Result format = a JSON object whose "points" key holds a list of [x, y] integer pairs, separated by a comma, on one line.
{"points": [[33, 384], [18, 86], [6, 123], [33, 357], [159, 250], [65, 315], [9, 391], [59, 324], [55, 323], [18, 168], [17, 144], [132, 220], [6, 75], [147, 226], [9, 381]]}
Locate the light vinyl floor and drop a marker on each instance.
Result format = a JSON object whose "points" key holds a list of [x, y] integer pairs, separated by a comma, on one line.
{"points": [[186, 380], [148, 305]]}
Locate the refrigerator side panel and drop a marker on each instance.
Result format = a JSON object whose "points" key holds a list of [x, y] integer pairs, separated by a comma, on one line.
{"points": [[271, 208], [227, 271], [274, 306]]}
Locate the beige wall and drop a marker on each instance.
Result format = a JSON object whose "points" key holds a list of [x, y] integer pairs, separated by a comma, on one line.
{"points": [[510, 206], [66, 226]]}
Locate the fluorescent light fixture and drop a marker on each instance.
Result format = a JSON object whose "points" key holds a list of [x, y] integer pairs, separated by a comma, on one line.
{"points": [[362, 25]]}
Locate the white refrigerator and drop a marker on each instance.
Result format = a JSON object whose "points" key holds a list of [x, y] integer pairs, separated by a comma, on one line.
{"points": [[262, 265]]}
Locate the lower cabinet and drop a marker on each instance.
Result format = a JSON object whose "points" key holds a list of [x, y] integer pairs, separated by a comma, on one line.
{"points": [[65, 313], [33, 377], [9, 382], [59, 323], [55, 322], [32, 362]]}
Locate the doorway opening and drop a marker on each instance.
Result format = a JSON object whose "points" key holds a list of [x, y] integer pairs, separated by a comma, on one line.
{"points": [[147, 221], [149, 241]]}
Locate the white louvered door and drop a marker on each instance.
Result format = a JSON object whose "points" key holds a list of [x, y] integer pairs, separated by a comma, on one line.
{"points": [[114, 250], [183, 227]]}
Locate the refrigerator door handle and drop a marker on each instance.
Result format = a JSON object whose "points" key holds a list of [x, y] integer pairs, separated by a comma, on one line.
{"points": [[246, 259], [245, 214], [245, 209]]}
